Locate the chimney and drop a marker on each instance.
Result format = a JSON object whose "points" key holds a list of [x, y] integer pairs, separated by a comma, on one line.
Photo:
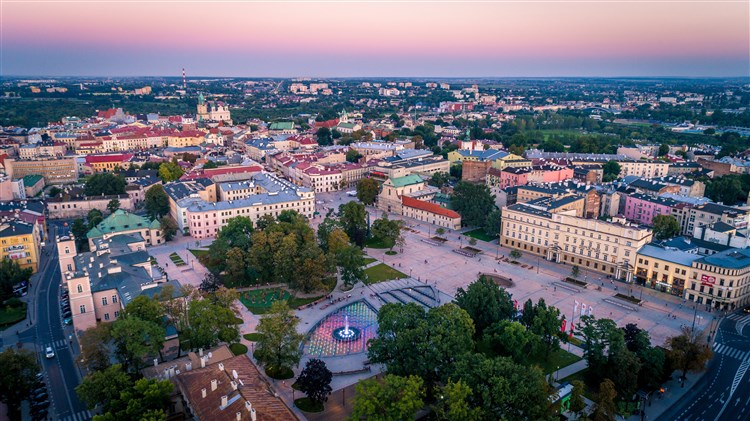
{"points": [[253, 416], [234, 385], [156, 362], [239, 416], [203, 362], [224, 401], [203, 392], [248, 406], [188, 366], [221, 366], [213, 384], [200, 352]]}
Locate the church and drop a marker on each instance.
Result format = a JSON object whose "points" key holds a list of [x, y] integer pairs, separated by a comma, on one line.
{"points": [[212, 111]]}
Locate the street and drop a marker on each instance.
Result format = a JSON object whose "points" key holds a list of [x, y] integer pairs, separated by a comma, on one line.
{"points": [[723, 393], [60, 373]]}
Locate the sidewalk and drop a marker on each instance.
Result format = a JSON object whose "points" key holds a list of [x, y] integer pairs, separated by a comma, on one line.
{"points": [[674, 392]]}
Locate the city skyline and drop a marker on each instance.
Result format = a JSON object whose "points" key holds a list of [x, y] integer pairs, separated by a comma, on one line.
{"points": [[377, 39]]}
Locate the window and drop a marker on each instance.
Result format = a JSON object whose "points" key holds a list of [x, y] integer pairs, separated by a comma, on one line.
{"points": [[106, 316], [104, 301], [117, 314], [114, 298], [82, 308], [80, 288]]}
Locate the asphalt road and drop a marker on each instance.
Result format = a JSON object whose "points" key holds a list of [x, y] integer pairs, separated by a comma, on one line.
{"points": [[61, 373], [724, 393]]}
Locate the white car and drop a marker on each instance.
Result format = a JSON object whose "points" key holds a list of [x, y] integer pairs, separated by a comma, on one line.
{"points": [[49, 352]]}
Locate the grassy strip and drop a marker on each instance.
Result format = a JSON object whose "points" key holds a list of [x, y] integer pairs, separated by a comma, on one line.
{"points": [[382, 272]]}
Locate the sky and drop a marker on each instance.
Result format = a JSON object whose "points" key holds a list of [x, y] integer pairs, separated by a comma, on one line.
{"points": [[379, 38]]}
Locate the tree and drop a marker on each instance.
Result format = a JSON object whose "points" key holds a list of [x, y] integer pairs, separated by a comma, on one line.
{"points": [[611, 171], [601, 337], [156, 201], [94, 351], [11, 274], [315, 381], [505, 390], [79, 230], [94, 217], [353, 156], [210, 283], [146, 399], [387, 231], [575, 271], [453, 403], [727, 190], [605, 409], [353, 219], [351, 261], [515, 254], [577, 401], [485, 302], [663, 149], [18, 368], [546, 324], [236, 233], [688, 352], [236, 265], [104, 386], [665, 226], [168, 227], [493, 223], [440, 231], [367, 190], [146, 309], [511, 339], [54, 191], [424, 343], [106, 184], [170, 171], [324, 136], [135, 340], [337, 241], [325, 229], [211, 323], [395, 398], [113, 205], [473, 201], [439, 179], [279, 346]]}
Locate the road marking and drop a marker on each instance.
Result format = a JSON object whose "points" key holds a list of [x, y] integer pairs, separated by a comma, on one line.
{"points": [[731, 352]]}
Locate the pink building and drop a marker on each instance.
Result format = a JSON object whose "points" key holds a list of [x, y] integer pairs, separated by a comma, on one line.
{"points": [[642, 208], [512, 177]]}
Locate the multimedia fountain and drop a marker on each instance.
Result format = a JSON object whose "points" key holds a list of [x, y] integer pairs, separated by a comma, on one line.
{"points": [[343, 332]]}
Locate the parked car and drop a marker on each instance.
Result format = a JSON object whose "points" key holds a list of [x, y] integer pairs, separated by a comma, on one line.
{"points": [[40, 397], [66, 314], [67, 321], [40, 405], [49, 352]]}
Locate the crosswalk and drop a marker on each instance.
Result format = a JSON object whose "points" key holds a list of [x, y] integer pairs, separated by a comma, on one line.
{"points": [[741, 320], [58, 344], [731, 352], [79, 416]]}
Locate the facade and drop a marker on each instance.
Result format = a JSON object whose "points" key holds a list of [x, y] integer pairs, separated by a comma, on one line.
{"points": [[67, 207], [108, 163], [33, 185], [664, 268], [389, 199], [431, 213], [709, 213], [54, 171], [644, 169], [20, 242], [721, 280], [642, 208], [609, 248]]}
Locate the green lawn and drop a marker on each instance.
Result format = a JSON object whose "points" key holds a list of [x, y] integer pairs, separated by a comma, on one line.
{"points": [[253, 337], [238, 349], [382, 272], [307, 405], [11, 315], [480, 234], [560, 358], [177, 259], [376, 243], [369, 260], [580, 376], [259, 301]]}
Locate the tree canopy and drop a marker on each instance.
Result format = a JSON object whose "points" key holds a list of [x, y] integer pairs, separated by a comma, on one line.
{"points": [[170, 171], [665, 226], [11, 274], [105, 184], [611, 171], [156, 201], [18, 368], [395, 398], [353, 219], [279, 345], [473, 202], [367, 190], [315, 380], [485, 302]]}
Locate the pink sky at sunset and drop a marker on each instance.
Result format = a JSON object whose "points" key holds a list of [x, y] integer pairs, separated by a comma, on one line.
{"points": [[362, 39]]}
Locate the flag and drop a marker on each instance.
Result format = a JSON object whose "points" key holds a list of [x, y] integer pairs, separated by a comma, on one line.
{"points": [[575, 310], [583, 309], [562, 327], [591, 310], [515, 304]]}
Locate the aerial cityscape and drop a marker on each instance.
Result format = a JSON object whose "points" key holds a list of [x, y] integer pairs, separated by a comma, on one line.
{"points": [[374, 210]]}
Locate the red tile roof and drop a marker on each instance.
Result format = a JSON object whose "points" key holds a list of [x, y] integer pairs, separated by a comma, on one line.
{"points": [[428, 207]]}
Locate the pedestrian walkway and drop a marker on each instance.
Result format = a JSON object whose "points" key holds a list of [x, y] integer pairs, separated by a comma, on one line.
{"points": [[569, 370], [59, 344], [79, 416], [731, 352]]}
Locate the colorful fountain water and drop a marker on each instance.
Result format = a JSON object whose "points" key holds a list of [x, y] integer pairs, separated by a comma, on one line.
{"points": [[343, 332]]}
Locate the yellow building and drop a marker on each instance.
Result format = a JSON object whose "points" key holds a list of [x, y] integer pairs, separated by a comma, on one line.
{"points": [[664, 268], [500, 159], [19, 241], [609, 248]]}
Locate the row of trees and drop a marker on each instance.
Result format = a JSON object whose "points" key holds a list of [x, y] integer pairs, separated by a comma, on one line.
{"points": [[202, 320], [476, 205]]}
